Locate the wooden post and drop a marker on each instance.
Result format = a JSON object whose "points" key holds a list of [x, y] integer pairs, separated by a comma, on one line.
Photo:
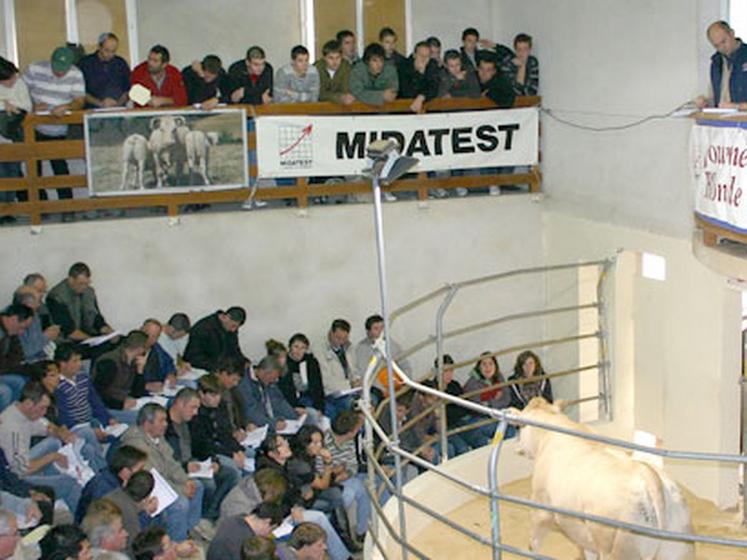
{"points": [[32, 173], [303, 194]]}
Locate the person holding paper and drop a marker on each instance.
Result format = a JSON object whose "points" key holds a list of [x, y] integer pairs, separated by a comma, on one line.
{"points": [[149, 436], [173, 340], [73, 305], [182, 438], [37, 464], [211, 430], [337, 362], [14, 319], [136, 503], [79, 405], [215, 337], [234, 530], [118, 377], [160, 370], [263, 402], [163, 80]]}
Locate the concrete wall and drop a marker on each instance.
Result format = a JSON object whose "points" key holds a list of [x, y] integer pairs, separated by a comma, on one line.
{"points": [[297, 274], [676, 346], [191, 29], [609, 63]]}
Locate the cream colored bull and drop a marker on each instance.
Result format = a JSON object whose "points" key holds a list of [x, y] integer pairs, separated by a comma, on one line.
{"points": [[589, 477]]}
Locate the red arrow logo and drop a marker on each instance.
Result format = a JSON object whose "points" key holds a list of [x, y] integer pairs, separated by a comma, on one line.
{"points": [[304, 133]]}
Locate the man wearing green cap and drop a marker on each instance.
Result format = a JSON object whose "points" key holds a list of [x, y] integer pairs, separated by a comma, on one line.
{"points": [[56, 86]]}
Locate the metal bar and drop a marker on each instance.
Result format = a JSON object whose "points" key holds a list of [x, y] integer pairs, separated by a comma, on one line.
{"points": [[495, 510], [380, 252], [605, 383], [521, 271], [440, 367]]}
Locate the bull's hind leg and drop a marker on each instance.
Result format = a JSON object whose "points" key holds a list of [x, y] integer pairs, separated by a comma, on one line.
{"points": [[542, 521]]}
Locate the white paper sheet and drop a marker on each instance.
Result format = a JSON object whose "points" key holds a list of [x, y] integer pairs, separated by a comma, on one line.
{"points": [[346, 392], [116, 430], [163, 491], [192, 375], [140, 94], [206, 470], [292, 426], [99, 340], [284, 529], [142, 401], [77, 467], [255, 438]]}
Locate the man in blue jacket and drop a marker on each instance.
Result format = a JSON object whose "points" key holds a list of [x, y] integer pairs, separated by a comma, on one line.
{"points": [[728, 68]]}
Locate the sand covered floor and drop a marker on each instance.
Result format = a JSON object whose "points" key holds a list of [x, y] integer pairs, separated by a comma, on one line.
{"points": [[440, 541]]}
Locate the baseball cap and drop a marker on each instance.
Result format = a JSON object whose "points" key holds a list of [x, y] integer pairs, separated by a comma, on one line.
{"points": [[62, 59]]}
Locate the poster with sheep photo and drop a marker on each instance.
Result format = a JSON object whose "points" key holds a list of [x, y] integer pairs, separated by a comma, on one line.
{"points": [[158, 152]]}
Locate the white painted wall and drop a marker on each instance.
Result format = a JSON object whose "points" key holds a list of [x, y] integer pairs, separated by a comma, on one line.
{"points": [[297, 274], [449, 19], [3, 37], [190, 29], [607, 63], [676, 346]]}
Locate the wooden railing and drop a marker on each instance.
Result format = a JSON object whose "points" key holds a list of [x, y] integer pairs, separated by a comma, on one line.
{"points": [[30, 151]]}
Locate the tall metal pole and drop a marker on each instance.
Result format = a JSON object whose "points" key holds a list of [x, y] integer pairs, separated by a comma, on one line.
{"points": [[378, 222]]}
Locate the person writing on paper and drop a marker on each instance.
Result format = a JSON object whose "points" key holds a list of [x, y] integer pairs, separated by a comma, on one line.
{"points": [[215, 337], [263, 402], [149, 436], [211, 431], [159, 371], [135, 503], [118, 377], [14, 319], [73, 305], [163, 80], [181, 436], [234, 530], [337, 362], [728, 69], [79, 405], [124, 463], [173, 340], [37, 464], [107, 75]]}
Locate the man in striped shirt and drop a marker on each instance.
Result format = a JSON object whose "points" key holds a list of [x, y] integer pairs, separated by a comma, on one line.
{"points": [[56, 86], [79, 406]]}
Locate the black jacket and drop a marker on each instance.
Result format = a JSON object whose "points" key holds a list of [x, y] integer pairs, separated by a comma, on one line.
{"points": [[209, 342], [412, 83], [499, 90], [238, 77], [212, 434], [198, 90], [315, 389]]}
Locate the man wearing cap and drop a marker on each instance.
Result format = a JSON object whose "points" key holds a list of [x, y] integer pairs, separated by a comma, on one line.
{"points": [[162, 79], [107, 75], [56, 86]]}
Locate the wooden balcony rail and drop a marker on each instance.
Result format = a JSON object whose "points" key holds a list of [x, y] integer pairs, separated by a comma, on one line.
{"points": [[30, 152]]}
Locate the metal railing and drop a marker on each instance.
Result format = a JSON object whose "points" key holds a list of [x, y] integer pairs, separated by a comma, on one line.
{"points": [[502, 418]]}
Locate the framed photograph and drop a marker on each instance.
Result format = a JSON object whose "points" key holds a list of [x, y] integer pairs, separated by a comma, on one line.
{"points": [[157, 152]]}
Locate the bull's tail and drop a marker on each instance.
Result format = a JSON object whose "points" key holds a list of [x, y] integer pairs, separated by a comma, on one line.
{"points": [[671, 514]]}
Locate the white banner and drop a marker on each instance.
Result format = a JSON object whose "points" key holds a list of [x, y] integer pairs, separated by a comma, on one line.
{"points": [[293, 146], [719, 159]]}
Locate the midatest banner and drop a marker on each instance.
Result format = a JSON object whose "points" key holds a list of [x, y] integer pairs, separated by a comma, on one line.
{"points": [[719, 163], [293, 146]]}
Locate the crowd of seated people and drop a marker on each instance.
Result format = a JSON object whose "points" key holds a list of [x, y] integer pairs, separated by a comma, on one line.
{"points": [[102, 79], [96, 424]]}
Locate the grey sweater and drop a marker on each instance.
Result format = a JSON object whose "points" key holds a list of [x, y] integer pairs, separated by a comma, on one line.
{"points": [[291, 88]]}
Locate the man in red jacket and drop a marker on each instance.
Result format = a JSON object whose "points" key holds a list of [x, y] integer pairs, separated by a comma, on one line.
{"points": [[162, 79]]}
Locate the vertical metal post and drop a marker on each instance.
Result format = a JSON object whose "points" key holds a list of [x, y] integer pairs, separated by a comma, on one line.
{"points": [[605, 388], [440, 368], [495, 517], [378, 222]]}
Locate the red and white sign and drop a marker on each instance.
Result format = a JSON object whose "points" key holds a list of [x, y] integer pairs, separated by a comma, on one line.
{"points": [[719, 165]]}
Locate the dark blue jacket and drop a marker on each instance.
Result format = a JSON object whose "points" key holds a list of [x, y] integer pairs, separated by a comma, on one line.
{"points": [[99, 486], [738, 80]]}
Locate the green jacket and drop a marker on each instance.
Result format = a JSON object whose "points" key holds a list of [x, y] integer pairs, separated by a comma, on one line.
{"points": [[332, 89], [370, 89]]}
